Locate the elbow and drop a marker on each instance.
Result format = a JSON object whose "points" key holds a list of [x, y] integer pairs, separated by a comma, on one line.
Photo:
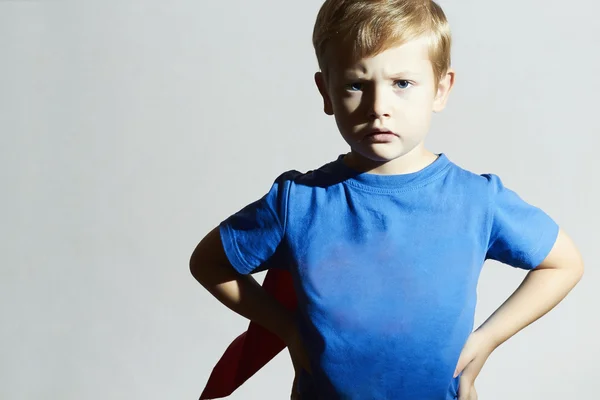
{"points": [[195, 266], [575, 268], [580, 270], [578, 264]]}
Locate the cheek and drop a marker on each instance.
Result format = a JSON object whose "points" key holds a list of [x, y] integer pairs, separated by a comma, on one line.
{"points": [[346, 104], [420, 107], [344, 123], [414, 117], [420, 121]]}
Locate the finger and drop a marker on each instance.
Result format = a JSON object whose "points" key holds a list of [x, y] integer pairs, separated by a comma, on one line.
{"points": [[305, 362], [465, 388], [473, 393], [295, 395], [299, 363], [467, 393]]}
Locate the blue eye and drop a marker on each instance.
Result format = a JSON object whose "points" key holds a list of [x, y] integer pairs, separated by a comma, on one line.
{"points": [[402, 84], [356, 86]]}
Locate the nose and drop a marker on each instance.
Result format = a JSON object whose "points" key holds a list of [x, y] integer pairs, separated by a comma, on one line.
{"points": [[379, 105]]}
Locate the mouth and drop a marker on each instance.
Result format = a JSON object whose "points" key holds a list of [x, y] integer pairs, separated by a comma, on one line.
{"points": [[379, 135], [381, 131]]}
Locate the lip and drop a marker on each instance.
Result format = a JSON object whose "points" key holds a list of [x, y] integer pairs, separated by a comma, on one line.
{"points": [[380, 136], [382, 132]]}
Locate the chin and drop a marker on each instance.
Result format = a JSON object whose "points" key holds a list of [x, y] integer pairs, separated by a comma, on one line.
{"points": [[381, 153]]}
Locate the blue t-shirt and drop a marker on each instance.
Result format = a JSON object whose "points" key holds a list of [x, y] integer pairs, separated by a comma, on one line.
{"points": [[385, 269]]}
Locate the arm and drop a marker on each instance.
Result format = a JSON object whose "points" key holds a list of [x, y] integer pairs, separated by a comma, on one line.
{"points": [[541, 290], [240, 293]]}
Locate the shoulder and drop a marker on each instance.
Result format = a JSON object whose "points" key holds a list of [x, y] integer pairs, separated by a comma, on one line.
{"points": [[318, 177], [488, 188], [480, 183], [290, 176]]}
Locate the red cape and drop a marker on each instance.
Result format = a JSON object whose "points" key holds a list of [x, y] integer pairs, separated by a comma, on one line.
{"points": [[254, 348]]}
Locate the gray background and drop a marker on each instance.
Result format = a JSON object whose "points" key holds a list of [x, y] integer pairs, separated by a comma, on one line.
{"points": [[129, 129]]}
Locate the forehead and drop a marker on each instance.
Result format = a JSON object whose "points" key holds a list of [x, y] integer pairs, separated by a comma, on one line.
{"points": [[411, 56]]}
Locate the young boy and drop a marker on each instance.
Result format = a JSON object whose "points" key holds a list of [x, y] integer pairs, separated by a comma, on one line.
{"points": [[385, 244]]}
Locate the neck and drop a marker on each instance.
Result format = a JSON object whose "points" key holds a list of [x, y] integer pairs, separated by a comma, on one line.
{"points": [[411, 162]]}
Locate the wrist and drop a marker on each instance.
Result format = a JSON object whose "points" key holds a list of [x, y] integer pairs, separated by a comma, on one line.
{"points": [[285, 327], [487, 337]]}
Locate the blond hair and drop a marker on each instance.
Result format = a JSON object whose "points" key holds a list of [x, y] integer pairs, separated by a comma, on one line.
{"points": [[369, 27]]}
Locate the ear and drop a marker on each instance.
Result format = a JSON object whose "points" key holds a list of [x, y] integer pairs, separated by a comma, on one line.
{"points": [[443, 92], [322, 86]]}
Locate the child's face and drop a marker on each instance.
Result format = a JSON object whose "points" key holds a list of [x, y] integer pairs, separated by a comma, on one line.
{"points": [[394, 90]]}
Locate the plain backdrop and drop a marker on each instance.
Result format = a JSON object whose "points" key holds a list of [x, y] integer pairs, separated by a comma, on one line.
{"points": [[129, 129]]}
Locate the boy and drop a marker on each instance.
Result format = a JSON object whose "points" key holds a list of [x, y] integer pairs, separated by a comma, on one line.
{"points": [[385, 244]]}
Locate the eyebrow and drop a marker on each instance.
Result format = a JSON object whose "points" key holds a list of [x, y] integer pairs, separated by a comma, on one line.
{"points": [[360, 75], [406, 72]]}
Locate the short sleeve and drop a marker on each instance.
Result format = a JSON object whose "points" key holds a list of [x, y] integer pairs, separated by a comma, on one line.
{"points": [[522, 235], [252, 236]]}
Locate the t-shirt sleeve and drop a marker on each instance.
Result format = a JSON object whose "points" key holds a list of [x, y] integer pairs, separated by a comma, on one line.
{"points": [[252, 236], [522, 235]]}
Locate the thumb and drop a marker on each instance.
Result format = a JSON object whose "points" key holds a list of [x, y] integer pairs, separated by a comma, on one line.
{"points": [[463, 361], [300, 359]]}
